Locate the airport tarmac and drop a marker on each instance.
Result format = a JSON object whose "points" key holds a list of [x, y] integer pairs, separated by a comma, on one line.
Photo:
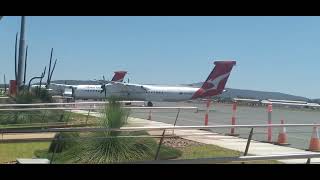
{"points": [[220, 114]]}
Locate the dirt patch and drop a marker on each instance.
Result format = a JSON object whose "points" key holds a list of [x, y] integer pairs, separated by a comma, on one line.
{"points": [[177, 142]]}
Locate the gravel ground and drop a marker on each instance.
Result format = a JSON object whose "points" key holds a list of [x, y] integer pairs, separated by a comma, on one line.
{"points": [[177, 142]]}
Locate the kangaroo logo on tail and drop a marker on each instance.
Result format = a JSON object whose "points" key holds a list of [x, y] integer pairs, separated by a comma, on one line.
{"points": [[216, 81]]}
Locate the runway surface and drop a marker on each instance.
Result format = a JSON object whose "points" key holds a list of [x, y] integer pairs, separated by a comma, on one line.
{"points": [[221, 114]]}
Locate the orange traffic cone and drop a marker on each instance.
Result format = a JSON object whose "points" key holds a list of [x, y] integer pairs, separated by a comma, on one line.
{"points": [[314, 141], [149, 117], [282, 137]]}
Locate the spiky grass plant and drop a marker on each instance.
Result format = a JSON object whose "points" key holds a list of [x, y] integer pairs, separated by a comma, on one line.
{"points": [[107, 146]]}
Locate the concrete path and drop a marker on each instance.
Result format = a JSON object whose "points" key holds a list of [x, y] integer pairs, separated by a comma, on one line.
{"points": [[229, 142], [20, 136]]}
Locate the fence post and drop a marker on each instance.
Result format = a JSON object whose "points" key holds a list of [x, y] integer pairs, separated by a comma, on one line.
{"points": [[62, 116], [161, 140], [233, 119], [88, 116], [44, 114], [206, 118], [68, 117], [149, 116], [175, 122], [269, 122], [308, 161], [248, 143], [56, 147]]}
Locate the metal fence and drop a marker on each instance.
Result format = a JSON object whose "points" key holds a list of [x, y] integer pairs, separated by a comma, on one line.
{"points": [[243, 158], [7, 113], [51, 129]]}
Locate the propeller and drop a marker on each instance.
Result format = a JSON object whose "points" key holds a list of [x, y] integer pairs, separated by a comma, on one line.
{"points": [[73, 92], [103, 87], [103, 84], [104, 81]]}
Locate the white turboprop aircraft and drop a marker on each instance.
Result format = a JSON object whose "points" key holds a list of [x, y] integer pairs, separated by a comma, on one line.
{"points": [[118, 77], [214, 85]]}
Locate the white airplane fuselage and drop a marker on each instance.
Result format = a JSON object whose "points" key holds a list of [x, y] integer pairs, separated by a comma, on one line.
{"points": [[147, 93]]}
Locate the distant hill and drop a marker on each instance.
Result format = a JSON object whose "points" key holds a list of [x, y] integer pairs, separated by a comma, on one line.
{"points": [[252, 94], [241, 93]]}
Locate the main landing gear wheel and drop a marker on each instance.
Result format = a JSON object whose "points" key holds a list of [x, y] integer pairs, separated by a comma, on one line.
{"points": [[149, 104]]}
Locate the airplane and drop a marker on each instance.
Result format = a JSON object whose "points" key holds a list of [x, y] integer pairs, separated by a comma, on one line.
{"points": [[214, 85], [68, 89]]}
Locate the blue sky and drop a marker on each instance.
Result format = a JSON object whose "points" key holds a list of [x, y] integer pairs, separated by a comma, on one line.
{"points": [[273, 53]]}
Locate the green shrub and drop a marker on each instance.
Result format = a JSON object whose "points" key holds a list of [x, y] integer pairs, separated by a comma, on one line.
{"points": [[63, 141], [33, 97], [45, 96], [26, 98], [28, 117]]}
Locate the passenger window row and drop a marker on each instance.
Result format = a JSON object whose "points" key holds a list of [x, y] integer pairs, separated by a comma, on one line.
{"points": [[161, 92], [155, 92], [93, 90]]}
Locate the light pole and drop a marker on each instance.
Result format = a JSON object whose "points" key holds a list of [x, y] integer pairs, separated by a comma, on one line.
{"points": [[21, 55]]}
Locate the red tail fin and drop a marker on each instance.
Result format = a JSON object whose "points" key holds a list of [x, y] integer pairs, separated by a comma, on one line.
{"points": [[216, 81], [118, 76]]}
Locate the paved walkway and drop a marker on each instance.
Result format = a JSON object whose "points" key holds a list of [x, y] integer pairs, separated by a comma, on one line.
{"points": [[20, 136], [229, 142]]}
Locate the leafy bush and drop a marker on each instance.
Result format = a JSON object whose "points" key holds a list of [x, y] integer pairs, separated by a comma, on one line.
{"points": [[45, 96], [33, 97], [26, 98]]}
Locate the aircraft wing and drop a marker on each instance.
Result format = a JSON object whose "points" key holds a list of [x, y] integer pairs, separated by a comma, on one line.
{"points": [[125, 87]]}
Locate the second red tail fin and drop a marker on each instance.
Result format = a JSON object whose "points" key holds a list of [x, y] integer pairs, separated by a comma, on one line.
{"points": [[118, 76], [216, 81]]}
